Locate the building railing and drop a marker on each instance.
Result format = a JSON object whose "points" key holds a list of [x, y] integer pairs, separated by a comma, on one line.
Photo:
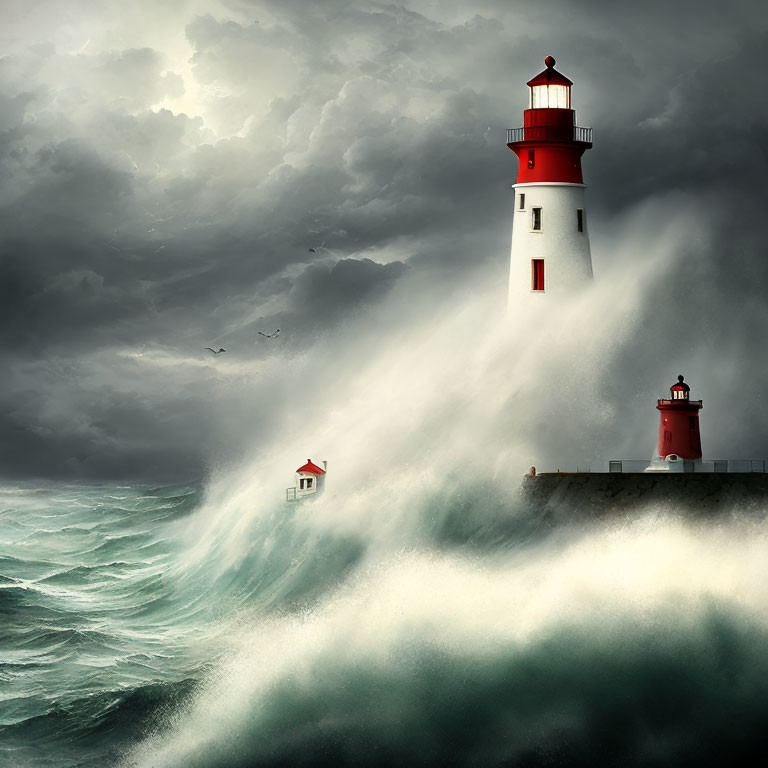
{"points": [[550, 133]]}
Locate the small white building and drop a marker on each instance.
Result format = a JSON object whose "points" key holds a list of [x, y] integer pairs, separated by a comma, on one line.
{"points": [[310, 479]]}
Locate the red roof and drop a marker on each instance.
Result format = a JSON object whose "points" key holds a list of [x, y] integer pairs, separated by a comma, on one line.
{"points": [[550, 76], [311, 468]]}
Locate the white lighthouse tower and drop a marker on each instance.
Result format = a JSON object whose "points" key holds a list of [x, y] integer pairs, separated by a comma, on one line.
{"points": [[550, 242]]}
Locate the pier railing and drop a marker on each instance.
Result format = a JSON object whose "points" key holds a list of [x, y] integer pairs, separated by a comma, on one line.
{"points": [[633, 466], [575, 133]]}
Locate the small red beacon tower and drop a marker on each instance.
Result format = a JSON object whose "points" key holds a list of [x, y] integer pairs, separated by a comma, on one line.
{"points": [[679, 426]]}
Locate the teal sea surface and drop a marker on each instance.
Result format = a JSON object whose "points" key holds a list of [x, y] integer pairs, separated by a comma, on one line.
{"points": [[140, 628]]}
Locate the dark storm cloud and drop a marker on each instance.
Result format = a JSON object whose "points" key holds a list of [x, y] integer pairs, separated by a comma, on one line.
{"points": [[160, 200], [322, 294], [708, 130]]}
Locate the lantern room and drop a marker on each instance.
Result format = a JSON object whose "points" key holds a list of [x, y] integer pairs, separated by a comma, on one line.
{"points": [[549, 89], [681, 390], [550, 144]]}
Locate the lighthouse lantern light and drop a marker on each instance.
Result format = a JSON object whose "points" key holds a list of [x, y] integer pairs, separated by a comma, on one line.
{"points": [[550, 97], [549, 89]]}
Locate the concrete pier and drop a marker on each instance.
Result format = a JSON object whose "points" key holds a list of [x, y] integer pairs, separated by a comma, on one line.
{"points": [[598, 494]]}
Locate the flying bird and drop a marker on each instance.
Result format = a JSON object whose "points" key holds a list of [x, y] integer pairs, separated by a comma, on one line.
{"points": [[215, 353], [270, 335]]}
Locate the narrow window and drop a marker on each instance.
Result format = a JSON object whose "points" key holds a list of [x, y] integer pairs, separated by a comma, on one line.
{"points": [[531, 157], [580, 219], [691, 422], [309, 482], [301, 484], [536, 219], [667, 437], [521, 200], [537, 274]]}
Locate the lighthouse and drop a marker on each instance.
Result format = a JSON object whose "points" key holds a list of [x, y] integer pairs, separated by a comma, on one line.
{"points": [[679, 436], [550, 243]]}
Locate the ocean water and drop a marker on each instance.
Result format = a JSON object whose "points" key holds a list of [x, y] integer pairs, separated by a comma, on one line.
{"points": [[166, 627], [93, 636]]}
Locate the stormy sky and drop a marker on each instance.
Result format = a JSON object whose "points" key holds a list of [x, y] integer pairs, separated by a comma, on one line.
{"points": [[186, 173]]}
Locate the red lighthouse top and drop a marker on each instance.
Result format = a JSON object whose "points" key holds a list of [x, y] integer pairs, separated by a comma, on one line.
{"points": [[679, 397], [550, 144], [550, 89], [550, 75]]}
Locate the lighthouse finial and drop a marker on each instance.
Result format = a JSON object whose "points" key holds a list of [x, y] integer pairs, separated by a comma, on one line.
{"points": [[549, 61], [681, 378]]}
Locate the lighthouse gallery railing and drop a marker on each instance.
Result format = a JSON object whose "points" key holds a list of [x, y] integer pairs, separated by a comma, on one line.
{"points": [[550, 133]]}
